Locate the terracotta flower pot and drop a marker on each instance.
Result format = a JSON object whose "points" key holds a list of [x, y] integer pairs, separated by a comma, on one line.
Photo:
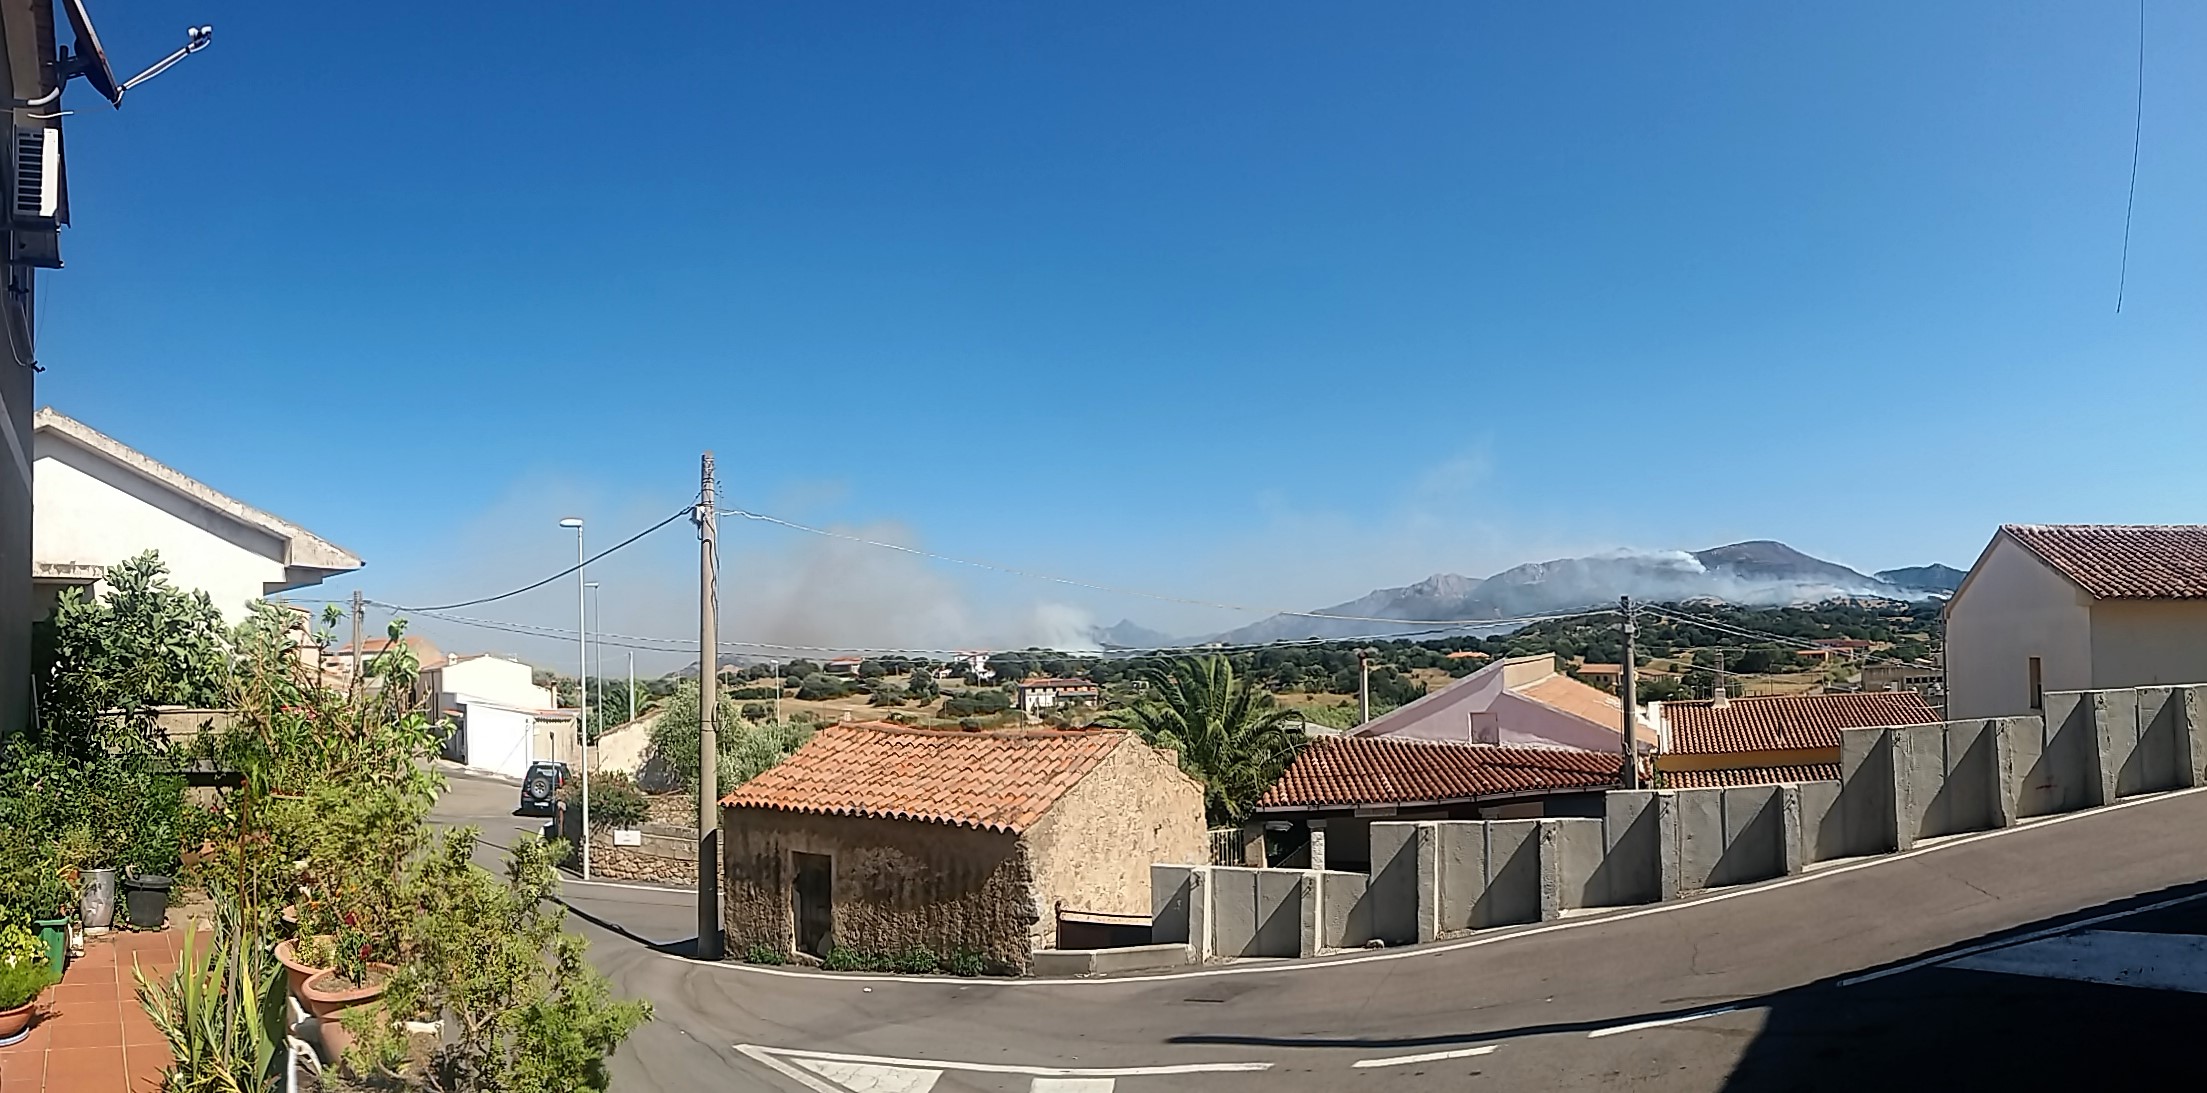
{"points": [[296, 971], [328, 1004], [14, 1023]]}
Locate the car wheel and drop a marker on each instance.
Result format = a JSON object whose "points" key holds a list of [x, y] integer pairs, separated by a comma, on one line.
{"points": [[540, 787]]}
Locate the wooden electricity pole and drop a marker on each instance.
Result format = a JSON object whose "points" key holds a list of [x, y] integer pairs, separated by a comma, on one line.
{"points": [[1625, 689], [708, 730]]}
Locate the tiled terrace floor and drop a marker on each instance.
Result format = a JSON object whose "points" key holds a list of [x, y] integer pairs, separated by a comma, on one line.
{"points": [[93, 1037]]}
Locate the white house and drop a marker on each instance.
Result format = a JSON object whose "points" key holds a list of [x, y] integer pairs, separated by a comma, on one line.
{"points": [[99, 502], [1041, 694], [1521, 700], [502, 721], [2062, 607]]}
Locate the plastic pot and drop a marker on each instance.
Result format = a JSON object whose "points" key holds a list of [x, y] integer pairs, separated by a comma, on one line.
{"points": [[146, 896], [328, 1005], [97, 911], [55, 933]]}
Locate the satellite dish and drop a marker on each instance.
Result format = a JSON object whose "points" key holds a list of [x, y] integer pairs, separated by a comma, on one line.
{"points": [[90, 61]]}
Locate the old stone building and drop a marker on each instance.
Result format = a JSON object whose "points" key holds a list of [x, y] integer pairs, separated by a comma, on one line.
{"points": [[883, 839]]}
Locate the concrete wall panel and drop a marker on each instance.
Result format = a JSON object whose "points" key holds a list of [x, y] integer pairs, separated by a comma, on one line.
{"points": [[1865, 792], [1512, 892], [1234, 918], [1393, 892], [1822, 824], [1347, 909], [1279, 913], [2066, 776], [1754, 834], [2029, 787], [1170, 888], [1463, 873], [1700, 836], [2158, 760], [1580, 853], [1631, 868]]}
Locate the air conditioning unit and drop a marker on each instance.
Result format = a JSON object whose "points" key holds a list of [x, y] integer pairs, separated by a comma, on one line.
{"points": [[37, 200]]}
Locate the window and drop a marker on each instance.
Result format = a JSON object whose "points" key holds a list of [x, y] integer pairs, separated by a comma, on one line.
{"points": [[2038, 686]]}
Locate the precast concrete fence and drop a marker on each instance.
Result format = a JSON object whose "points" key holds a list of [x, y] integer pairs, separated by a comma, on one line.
{"points": [[1438, 878]]}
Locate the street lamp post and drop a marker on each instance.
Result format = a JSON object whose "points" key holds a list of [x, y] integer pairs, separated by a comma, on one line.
{"points": [[582, 682]]}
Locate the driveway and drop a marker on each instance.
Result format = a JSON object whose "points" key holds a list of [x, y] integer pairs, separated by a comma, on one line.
{"points": [[1859, 974]]}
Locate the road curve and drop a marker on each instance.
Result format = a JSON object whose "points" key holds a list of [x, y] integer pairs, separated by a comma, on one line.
{"points": [[1673, 997]]}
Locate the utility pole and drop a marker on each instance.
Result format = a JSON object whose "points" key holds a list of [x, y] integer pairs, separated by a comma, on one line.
{"points": [[1363, 686], [582, 681], [708, 731], [1625, 692], [360, 612], [630, 703]]}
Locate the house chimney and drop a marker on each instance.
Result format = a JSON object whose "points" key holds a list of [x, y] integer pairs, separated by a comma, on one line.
{"points": [[1721, 701]]}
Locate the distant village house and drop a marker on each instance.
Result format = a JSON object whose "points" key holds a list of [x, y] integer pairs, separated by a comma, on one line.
{"points": [[1036, 695]]}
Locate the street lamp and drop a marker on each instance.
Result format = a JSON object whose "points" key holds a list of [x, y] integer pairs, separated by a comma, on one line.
{"points": [[582, 683]]}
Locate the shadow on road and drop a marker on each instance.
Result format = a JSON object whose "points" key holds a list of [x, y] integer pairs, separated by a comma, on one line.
{"points": [[1916, 1026], [685, 947]]}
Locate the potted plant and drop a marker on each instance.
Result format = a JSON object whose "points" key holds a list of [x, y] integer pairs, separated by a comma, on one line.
{"points": [[305, 957], [356, 982], [25, 973]]}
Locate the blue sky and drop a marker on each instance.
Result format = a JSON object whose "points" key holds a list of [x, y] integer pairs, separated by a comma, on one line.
{"points": [[1261, 303]]}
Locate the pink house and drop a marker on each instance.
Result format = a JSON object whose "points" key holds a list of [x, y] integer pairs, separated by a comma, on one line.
{"points": [[1519, 701]]}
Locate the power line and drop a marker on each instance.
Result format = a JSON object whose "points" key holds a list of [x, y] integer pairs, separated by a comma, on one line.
{"points": [[2137, 130], [532, 586], [650, 643], [1092, 586]]}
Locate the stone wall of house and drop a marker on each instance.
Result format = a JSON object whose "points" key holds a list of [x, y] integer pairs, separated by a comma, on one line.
{"points": [[898, 885], [1093, 851]]}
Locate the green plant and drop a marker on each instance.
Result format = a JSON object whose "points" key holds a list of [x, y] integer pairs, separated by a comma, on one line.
{"points": [[615, 800], [20, 946], [756, 953], [103, 664], [845, 959], [1226, 738], [525, 1013], [966, 962], [22, 982], [221, 1011], [917, 960]]}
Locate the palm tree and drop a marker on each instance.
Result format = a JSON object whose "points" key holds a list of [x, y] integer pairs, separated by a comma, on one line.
{"points": [[1225, 739]]}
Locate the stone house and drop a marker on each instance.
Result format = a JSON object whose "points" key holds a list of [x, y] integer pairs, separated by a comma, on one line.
{"points": [[884, 838], [2069, 607]]}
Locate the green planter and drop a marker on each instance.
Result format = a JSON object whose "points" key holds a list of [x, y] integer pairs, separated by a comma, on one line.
{"points": [[55, 933]]}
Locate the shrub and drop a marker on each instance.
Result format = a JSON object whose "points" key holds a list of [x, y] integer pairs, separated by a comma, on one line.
{"points": [[916, 960], [757, 711], [976, 702], [756, 953], [615, 800], [820, 686], [21, 982], [752, 693], [967, 963]]}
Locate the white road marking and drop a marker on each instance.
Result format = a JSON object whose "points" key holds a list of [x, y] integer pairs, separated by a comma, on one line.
{"points": [[1658, 1023], [2169, 962], [1428, 1057], [1288, 967], [867, 1078], [2019, 939], [764, 1053], [1073, 1085]]}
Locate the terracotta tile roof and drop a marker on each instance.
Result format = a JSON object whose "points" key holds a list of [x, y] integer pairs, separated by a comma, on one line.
{"points": [[1369, 770], [1775, 722], [1592, 703], [2123, 561], [1750, 776], [1060, 684], [999, 781]]}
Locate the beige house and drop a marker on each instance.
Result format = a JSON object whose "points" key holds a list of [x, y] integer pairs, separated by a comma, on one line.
{"points": [[882, 839], [1520, 700], [2059, 607], [99, 502]]}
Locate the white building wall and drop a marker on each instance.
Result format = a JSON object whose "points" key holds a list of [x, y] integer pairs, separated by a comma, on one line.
{"points": [[494, 679], [91, 513], [2148, 643], [498, 739], [2012, 608]]}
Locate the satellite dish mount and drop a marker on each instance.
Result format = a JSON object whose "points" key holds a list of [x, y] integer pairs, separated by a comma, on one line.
{"points": [[90, 58]]}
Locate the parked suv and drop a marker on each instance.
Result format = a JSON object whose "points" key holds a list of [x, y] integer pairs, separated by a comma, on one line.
{"points": [[540, 787]]}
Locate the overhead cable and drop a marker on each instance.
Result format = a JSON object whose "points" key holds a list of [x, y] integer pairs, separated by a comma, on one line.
{"points": [[678, 514]]}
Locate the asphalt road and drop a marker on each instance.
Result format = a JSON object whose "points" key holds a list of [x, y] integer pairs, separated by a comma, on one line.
{"points": [[1837, 980]]}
